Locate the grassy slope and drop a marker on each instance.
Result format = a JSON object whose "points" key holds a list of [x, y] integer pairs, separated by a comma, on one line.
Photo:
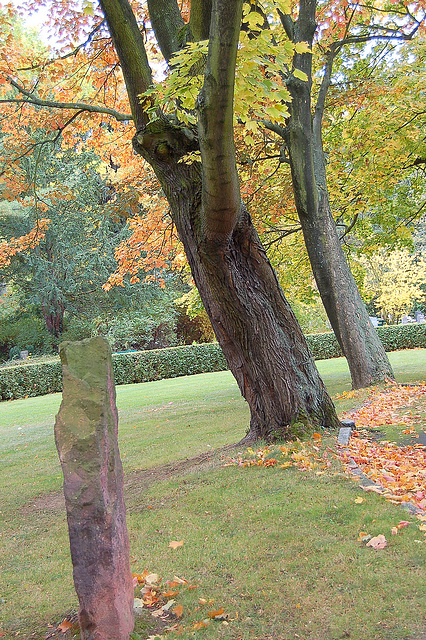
{"points": [[278, 548]]}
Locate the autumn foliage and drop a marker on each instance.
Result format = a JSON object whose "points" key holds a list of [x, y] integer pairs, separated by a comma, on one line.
{"points": [[17, 245]]}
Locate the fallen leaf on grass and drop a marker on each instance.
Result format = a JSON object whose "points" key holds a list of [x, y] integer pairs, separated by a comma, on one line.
{"points": [[174, 544], [202, 624], [372, 487], [178, 610], [217, 615], [363, 536], [138, 603], [378, 542], [65, 625], [400, 525], [359, 500]]}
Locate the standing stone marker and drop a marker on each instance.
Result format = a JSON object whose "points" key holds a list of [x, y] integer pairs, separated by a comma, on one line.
{"points": [[86, 439]]}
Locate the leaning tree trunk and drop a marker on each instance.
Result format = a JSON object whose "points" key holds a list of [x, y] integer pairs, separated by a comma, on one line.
{"points": [[259, 334], [367, 359], [253, 322]]}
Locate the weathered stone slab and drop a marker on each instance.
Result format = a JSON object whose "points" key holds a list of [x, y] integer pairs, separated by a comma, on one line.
{"points": [[345, 432], [86, 439]]}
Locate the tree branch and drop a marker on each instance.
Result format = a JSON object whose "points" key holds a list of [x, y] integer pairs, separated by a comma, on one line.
{"points": [[30, 98], [167, 22], [287, 23], [130, 47], [201, 11], [221, 199], [70, 53]]}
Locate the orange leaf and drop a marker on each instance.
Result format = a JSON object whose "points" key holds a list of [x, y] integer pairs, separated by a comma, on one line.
{"points": [[215, 614], [65, 625], [202, 624], [174, 544], [178, 610]]}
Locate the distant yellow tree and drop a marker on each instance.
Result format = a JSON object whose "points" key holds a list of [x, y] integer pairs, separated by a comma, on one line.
{"points": [[394, 281]]}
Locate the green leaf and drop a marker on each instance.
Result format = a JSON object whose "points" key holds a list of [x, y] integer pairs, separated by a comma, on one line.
{"points": [[283, 5], [300, 74], [302, 47], [88, 9]]}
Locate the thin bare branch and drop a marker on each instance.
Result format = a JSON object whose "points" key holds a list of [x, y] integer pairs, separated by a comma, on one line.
{"points": [[69, 54], [30, 98]]}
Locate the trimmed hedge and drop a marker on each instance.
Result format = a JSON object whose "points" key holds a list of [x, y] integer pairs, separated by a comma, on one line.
{"points": [[22, 380], [403, 336], [35, 379], [144, 366]]}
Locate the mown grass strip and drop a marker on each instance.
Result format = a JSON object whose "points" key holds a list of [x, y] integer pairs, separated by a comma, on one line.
{"points": [[277, 547]]}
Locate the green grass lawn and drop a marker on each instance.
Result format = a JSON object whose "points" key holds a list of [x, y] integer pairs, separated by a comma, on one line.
{"points": [[277, 549]]}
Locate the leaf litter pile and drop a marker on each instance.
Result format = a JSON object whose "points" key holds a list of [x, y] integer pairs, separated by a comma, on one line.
{"points": [[397, 471], [160, 599]]}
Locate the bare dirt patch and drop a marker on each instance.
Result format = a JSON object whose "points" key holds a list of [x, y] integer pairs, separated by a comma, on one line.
{"points": [[137, 481]]}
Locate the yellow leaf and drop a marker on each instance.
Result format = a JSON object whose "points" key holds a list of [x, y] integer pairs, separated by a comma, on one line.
{"points": [[302, 47], [359, 500], [174, 544], [300, 74]]}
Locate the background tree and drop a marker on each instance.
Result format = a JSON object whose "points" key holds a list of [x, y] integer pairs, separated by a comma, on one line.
{"points": [[61, 278], [394, 281]]}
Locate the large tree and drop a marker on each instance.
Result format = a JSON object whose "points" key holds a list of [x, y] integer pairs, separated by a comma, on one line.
{"points": [[253, 322], [303, 135]]}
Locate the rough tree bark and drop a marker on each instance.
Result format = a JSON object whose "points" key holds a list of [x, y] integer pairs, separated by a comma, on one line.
{"points": [[254, 324], [367, 359]]}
